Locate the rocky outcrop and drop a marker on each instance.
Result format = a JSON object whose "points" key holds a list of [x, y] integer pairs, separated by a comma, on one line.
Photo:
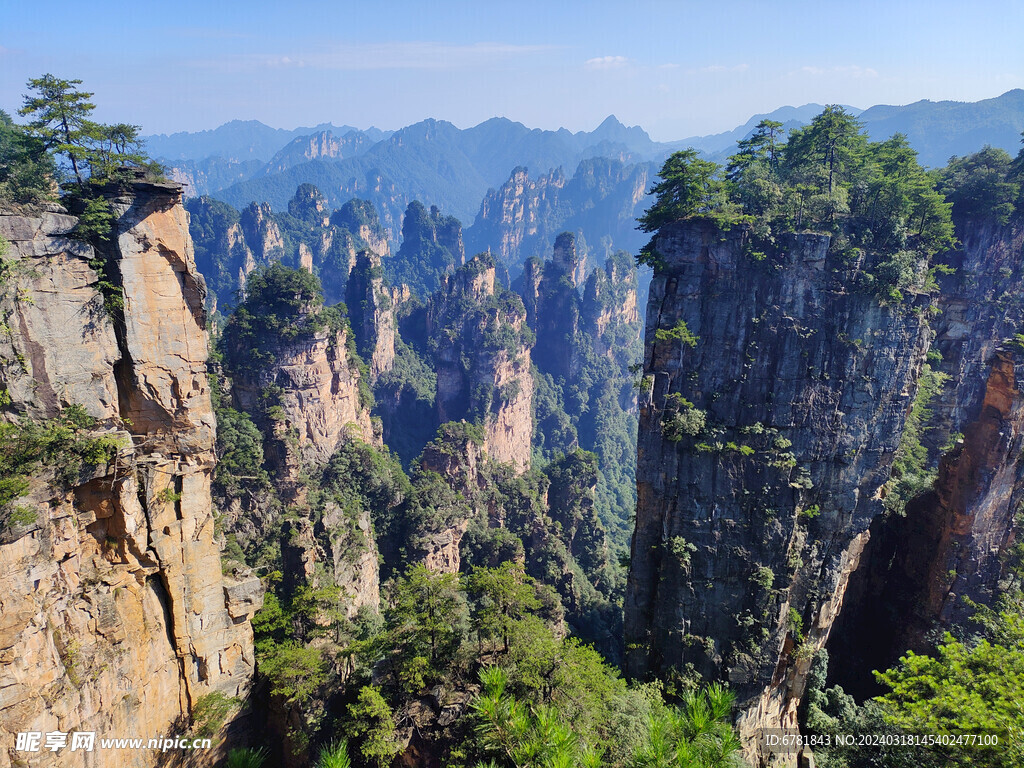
{"points": [[556, 307], [457, 456], [221, 253], [922, 571], [262, 233], [354, 557], [371, 313], [773, 400], [59, 346], [610, 310], [605, 319], [516, 212], [310, 206], [432, 248], [980, 306], [320, 145], [482, 344], [521, 218], [310, 236], [116, 616], [308, 397], [361, 219]]}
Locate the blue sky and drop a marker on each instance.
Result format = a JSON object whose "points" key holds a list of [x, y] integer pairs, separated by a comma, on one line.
{"points": [[676, 68]]}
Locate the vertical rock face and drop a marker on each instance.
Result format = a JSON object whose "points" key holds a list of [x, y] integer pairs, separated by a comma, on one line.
{"points": [[315, 384], [483, 359], [262, 233], [774, 398], [951, 544], [609, 311], [432, 248], [517, 212], [322, 144], [115, 615], [310, 206], [606, 314], [360, 218], [354, 557], [458, 459], [557, 309], [291, 365], [981, 305], [972, 509], [371, 312], [61, 347], [221, 253], [603, 197], [164, 388]]}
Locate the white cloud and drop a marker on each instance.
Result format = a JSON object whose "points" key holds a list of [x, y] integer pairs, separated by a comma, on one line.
{"points": [[715, 68], [390, 55], [850, 70], [606, 62]]}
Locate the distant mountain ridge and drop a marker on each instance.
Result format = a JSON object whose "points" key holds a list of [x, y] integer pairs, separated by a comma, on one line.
{"points": [[439, 164], [940, 129], [514, 187], [237, 140], [724, 143]]}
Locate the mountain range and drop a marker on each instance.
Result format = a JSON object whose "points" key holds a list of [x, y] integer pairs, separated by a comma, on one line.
{"points": [[518, 187]]}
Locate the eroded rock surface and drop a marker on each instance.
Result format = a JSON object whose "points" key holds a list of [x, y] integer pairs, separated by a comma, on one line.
{"points": [[773, 400], [116, 617]]}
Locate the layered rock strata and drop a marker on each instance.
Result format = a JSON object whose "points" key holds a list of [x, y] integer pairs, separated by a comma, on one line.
{"points": [[773, 400], [371, 313], [482, 348], [116, 617], [923, 572]]}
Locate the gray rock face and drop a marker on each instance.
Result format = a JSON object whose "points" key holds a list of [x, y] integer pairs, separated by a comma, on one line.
{"points": [[981, 305], [954, 539], [483, 360], [773, 400], [60, 348], [371, 312]]}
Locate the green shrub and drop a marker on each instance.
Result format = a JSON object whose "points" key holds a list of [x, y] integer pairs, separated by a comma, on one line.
{"points": [[63, 443], [247, 758]]}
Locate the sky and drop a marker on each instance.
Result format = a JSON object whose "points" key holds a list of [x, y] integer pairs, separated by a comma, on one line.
{"points": [[677, 69]]}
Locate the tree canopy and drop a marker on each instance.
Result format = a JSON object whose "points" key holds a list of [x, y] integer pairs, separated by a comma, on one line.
{"points": [[61, 120], [826, 177]]}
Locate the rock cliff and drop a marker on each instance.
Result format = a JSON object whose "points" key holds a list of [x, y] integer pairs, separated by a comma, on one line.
{"points": [[262, 233], [116, 616], [602, 198], [773, 401], [587, 346], [556, 308], [371, 311], [482, 351], [319, 145], [292, 368], [432, 248], [229, 245], [952, 545]]}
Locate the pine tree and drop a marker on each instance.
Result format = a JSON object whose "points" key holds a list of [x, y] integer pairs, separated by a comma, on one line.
{"points": [[61, 118]]}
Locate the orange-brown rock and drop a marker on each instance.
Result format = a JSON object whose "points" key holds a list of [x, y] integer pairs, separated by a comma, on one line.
{"points": [[116, 617], [483, 359]]}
